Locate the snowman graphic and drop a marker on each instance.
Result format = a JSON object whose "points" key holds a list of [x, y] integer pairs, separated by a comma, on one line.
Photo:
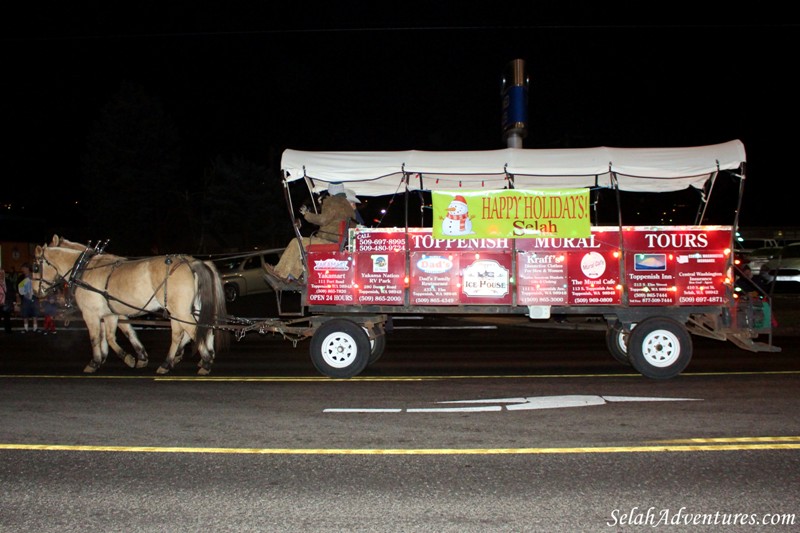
{"points": [[458, 220]]}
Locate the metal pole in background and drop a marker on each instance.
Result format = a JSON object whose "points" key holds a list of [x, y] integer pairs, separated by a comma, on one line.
{"points": [[515, 103]]}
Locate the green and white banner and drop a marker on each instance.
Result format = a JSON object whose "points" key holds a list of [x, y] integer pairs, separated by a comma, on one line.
{"points": [[511, 214]]}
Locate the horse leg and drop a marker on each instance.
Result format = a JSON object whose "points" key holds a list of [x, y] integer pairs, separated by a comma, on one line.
{"points": [[99, 346], [141, 354], [111, 323], [179, 354], [181, 349], [206, 349], [179, 340]]}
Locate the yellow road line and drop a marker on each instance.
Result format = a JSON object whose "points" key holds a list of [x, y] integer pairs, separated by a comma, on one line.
{"points": [[412, 451]]}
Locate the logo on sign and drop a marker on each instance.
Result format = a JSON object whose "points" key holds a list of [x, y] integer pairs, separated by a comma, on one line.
{"points": [[380, 263], [331, 264], [650, 262], [434, 264], [485, 278], [593, 265]]}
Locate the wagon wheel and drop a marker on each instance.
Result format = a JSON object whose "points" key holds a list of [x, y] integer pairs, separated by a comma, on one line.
{"points": [[231, 292], [376, 349], [340, 348], [659, 348], [617, 342]]}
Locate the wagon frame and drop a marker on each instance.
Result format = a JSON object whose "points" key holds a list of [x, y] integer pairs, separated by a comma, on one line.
{"points": [[348, 328]]}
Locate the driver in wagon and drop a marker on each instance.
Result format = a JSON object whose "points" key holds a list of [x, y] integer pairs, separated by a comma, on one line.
{"points": [[338, 206]]}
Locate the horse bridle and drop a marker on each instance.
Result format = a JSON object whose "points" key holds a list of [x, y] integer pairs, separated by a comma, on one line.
{"points": [[71, 277], [52, 286]]}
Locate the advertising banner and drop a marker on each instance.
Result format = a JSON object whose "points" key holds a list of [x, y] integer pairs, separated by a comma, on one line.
{"points": [[380, 278], [683, 265], [434, 279], [641, 265], [330, 280], [511, 214], [570, 271]]}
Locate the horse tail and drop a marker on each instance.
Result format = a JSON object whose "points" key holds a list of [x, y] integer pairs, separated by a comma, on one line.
{"points": [[222, 338], [212, 304]]}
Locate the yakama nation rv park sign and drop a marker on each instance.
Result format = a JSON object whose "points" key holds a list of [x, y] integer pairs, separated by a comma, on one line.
{"points": [[511, 214]]}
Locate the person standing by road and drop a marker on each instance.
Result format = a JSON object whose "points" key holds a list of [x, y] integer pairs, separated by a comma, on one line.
{"points": [[29, 308], [6, 302], [49, 310]]}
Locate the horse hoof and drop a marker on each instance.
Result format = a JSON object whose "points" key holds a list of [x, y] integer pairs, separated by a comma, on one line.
{"points": [[130, 360], [141, 364], [162, 370], [89, 369], [203, 371]]}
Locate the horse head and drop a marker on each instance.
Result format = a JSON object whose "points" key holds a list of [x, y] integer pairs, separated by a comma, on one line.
{"points": [[52, 267]]}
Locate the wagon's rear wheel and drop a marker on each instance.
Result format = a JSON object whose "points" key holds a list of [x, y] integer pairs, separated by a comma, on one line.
{"points": [[659, 348], [376, 348], [340, 348], [617, 342]]}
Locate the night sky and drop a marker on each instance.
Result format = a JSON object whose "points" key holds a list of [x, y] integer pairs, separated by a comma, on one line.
{"points": [[252, 82]]}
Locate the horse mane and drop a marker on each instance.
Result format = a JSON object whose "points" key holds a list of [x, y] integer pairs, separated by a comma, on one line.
{"points": [[61, 242]]}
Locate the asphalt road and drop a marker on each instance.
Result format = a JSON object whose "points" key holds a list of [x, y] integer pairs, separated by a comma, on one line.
{"points": [[470, 428]]}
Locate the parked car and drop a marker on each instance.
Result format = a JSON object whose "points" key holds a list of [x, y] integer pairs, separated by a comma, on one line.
{"points": [[784, 270], [760, 256], [748, 245], [243, 275]]}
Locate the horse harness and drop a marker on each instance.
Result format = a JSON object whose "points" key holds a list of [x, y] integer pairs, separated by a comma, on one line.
{"points": [[68, 281], [75, 280]]}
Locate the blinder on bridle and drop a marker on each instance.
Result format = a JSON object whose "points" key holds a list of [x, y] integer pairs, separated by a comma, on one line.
{"points": [[38, 268]]}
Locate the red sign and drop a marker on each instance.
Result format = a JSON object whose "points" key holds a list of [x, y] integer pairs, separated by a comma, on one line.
{"points": [[380, 241], [665, 265], [594, 278], [676, 265], [421, 239], [434, 279], [486, 278], [380, 278], [556, 271], [330, 280], [542, 278]]}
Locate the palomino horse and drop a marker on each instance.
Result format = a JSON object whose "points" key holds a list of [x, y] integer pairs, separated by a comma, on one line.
{"points": [[108, 287]]}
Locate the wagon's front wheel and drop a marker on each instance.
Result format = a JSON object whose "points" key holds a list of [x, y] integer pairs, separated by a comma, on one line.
{"points": [[231, 292], [340, 348]]}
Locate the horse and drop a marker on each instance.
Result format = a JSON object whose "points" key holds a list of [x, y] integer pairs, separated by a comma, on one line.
{"points": [[107, 288]]}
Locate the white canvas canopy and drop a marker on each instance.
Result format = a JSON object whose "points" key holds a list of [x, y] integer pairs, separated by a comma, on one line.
{"points": [[636, 169]]}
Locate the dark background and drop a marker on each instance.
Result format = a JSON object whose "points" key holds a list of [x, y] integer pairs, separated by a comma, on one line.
{"points": [[162, 126]]}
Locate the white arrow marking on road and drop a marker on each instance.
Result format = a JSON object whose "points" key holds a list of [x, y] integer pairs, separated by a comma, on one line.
{"points": [[518, 404]]}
